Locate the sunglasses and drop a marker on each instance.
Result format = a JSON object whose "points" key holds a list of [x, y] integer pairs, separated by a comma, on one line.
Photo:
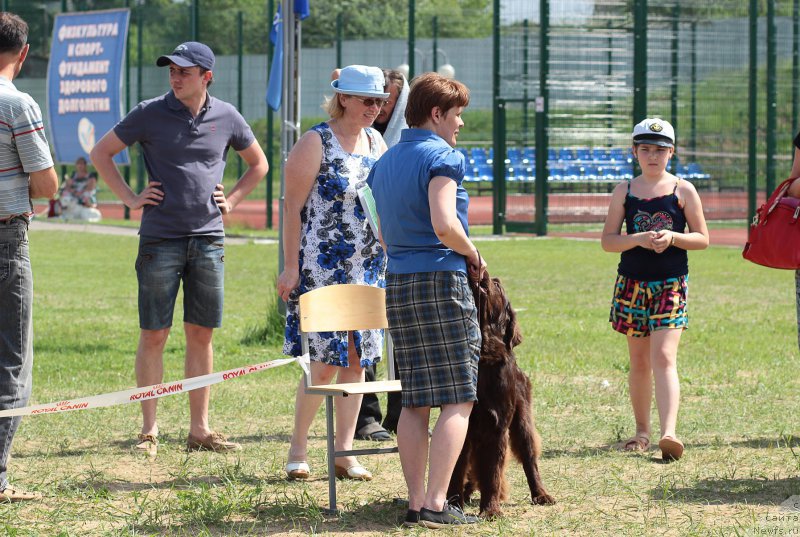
{"points": [[369, 101]]}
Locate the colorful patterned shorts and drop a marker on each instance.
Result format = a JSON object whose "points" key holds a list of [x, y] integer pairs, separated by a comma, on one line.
{"points": [[640, 307]]}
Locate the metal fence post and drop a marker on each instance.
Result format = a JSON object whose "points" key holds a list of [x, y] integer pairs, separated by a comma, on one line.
{"points": [[795, 62], [127, 172], [497, 133], [269, 144], [411, 44], [499, 168], [525, 37], [139, 93], [676, 11], [772, 95], [693, 118], [542, 119], [239, 76], [339, 27], [639, 60], [752, 112], [435, 23]]}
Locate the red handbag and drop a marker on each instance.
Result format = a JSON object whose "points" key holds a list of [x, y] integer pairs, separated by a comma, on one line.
{"points": [[774, 239]]}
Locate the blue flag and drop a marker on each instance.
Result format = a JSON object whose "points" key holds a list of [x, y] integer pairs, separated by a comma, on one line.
{"points": [[301, 9], [275, 85]]}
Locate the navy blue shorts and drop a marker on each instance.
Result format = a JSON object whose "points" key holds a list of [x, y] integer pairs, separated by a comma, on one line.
{"points": [[161, 266], [437, 341]]}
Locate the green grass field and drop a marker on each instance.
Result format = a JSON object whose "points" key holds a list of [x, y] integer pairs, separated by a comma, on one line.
{"points": [[738, 365]]}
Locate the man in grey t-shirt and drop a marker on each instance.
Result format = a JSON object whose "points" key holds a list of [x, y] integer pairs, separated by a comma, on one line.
{"points": [[185, 135], [27, 173]]}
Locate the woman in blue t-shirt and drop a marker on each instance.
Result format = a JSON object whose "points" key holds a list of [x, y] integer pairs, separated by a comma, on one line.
{"points": [[422, 208], [649, 304]]}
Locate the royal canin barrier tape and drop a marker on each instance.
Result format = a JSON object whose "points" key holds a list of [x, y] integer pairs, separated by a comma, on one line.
{"points": [[144, 393]]}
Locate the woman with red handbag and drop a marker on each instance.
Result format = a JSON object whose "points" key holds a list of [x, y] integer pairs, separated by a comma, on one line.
{"points": [[649, 304]]}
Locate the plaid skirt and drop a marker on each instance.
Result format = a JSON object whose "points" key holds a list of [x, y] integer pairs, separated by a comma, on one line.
{"points": [[437, 341]]}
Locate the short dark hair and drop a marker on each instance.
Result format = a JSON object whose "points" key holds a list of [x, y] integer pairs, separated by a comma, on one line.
{"points": [[430, 90], [13, 32], [393, 76]]}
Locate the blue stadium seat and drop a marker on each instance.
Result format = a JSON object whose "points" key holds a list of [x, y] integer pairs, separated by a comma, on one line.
{"points": [[583, 154], [565, 154]]}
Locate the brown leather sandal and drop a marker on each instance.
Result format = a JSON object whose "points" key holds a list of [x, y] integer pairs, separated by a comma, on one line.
{"points": [[637, 443]]}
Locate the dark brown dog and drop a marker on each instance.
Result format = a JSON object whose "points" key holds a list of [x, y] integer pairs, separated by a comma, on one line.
{"points": [[503, 416]]}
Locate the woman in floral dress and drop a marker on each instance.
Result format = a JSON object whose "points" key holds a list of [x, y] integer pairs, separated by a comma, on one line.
{"points": [[326, 241]]}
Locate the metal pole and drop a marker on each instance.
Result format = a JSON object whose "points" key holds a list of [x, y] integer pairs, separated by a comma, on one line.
{"points": [[139, 91], [127, 172], [269, 144], [497, 209], [411, 44], [795, 63], [639, 63], [525, 36], [609, 74], [752, 130], [772, 95], [196, 20], [693, 84], [44, 43], [339, 26], [239, 76], [639, 60], [542, 119], [676, 12], [435, 23]]}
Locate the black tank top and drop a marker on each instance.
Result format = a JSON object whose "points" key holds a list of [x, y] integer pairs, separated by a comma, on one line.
{"points": [[654, 214]]}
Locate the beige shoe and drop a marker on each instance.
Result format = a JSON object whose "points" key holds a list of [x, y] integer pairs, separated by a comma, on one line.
{"points": [[213, 442], [147, 444], [355, 472], [13, 494]]}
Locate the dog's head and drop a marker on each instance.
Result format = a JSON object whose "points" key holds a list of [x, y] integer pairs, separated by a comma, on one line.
{"points": [[498, 321]]}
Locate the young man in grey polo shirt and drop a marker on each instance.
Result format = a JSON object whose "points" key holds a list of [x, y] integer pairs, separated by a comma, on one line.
{"points": [[184, 135], [27, 172]]}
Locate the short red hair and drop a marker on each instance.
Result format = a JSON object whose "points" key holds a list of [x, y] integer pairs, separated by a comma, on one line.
{"points": [[430, 90]]}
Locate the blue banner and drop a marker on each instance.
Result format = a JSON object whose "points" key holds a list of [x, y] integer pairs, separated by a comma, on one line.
{"points": [[84, 81], [275, 83]]}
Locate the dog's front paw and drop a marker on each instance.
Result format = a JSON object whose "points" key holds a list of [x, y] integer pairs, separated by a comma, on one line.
{"points": [[543, 499], [491, 512]]}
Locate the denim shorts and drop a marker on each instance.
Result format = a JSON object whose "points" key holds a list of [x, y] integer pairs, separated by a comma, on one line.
{"points": [[642, 307], [160, 267]]}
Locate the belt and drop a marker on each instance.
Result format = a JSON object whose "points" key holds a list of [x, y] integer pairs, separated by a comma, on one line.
{"points": [[14, 219]]}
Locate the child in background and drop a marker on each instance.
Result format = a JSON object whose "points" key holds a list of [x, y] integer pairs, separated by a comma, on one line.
{"points": [[649, 304]]}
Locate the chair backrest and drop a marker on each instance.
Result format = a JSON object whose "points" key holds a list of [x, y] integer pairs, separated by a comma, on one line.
{"points": [[345, 307]]}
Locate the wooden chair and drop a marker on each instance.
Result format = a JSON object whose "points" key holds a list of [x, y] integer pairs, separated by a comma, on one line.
{"points": [[338, 308]]}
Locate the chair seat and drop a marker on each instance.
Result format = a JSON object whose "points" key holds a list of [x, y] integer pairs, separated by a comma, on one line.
{"points": [[356, 388]]}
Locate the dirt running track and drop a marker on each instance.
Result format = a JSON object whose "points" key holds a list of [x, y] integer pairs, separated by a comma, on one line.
{"points": [[562, 208]]}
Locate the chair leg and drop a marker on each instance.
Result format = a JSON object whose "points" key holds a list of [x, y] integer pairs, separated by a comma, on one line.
{"points": [[331, 455]]}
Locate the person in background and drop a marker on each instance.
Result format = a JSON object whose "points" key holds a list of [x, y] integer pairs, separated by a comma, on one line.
{"points": [[29, 173], [326, 242], [650, 293], [78, 195], [422, 206], [390, 123], [185, 136]]}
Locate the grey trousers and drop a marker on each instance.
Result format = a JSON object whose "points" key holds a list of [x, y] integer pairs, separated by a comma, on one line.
{"points": [[16, 333]]}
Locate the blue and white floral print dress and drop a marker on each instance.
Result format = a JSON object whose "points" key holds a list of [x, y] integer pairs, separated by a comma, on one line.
{"points": [[337, 246]]}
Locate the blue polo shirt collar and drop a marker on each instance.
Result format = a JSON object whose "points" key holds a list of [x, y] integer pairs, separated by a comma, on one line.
{"points": [[418, 135], [175, 104]]}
